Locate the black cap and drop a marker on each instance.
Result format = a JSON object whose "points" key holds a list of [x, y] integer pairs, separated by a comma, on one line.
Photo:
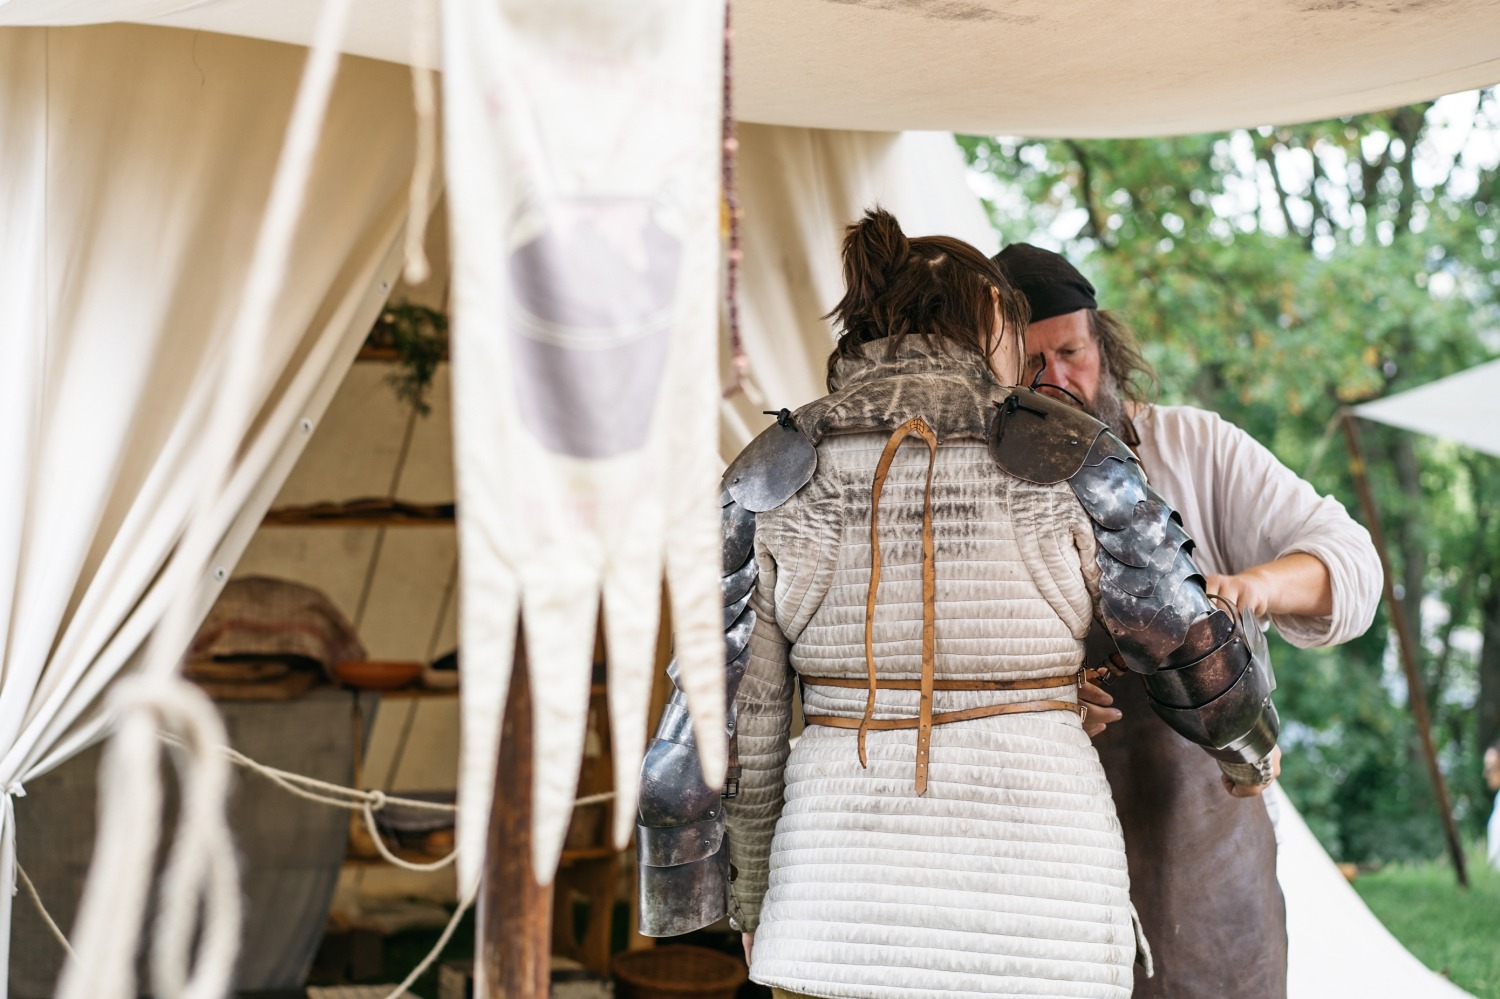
{"points": [[1051, 284]]}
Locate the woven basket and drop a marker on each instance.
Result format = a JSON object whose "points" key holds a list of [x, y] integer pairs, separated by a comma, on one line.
{"points": [[675, 971]]}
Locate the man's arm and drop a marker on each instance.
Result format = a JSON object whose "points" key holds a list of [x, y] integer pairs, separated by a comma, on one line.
{"points": [[1297, 585], [1250, 514]]}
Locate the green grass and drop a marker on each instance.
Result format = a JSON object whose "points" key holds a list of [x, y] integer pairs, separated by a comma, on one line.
{"points": [[1454, 932]]}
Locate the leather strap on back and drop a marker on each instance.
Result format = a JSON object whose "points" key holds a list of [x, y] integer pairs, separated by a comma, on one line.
{"points": [[916, 426]]}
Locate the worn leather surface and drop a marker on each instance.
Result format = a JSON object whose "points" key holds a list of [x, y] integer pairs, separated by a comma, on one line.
{"points": [[954, 393], [1202, 863]]}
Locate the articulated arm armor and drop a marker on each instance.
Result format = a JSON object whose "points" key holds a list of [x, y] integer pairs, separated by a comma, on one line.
{"points": [[1206, 668], [684, 857]]}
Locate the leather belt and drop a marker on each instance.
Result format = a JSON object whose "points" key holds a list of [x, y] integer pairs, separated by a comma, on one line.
{"points": [[941, 717], [927, 683]]}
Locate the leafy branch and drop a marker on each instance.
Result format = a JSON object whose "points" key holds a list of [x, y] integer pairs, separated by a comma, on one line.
{"points": [[418, 336]]}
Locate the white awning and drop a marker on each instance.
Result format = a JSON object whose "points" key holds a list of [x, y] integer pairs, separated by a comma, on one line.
{"points": [[1463, 408], [1013, 67]]}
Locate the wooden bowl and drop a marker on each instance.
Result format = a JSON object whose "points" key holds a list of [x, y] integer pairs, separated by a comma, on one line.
{"points": [[377, 674]]}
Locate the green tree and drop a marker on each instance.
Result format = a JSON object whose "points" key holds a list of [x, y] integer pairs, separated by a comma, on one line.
{"points": [[1275, 275]]}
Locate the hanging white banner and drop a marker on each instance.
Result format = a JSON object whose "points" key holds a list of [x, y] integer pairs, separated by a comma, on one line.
{"points": [[583, 159]]}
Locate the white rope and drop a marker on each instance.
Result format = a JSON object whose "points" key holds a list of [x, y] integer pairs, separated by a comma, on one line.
{"points": [[336, 795], [424, 97], [367, 802], [355, 799], [46, 916], [200, 870], [442, 941], [391, 858], [199, 901]]}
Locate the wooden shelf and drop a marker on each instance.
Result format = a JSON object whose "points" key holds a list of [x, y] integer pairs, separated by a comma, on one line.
{"points": [[585, 854], [387, 354], [595, 689], [362, 513], [579, 855]]}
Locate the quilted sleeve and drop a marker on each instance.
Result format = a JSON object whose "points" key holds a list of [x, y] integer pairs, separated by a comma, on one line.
{"points": [[764, 708]]}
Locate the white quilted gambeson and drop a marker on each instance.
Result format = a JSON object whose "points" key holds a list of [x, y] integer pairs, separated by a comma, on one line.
{"points": [[1008, 877]]}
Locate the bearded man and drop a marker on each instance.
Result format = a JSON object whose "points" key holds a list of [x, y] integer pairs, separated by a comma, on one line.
{"points": [[1202, 861]]}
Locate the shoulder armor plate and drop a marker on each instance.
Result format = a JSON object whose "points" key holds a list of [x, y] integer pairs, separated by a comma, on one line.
{"points": [[1041, 440], [772, 468], [1206, 670], [680, 836]]}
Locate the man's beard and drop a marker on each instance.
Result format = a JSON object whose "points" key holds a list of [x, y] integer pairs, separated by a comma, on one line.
{"points": [[1108, 405]]}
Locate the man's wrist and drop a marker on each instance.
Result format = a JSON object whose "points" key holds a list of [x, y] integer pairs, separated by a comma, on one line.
{"points": [[1257, 774]]}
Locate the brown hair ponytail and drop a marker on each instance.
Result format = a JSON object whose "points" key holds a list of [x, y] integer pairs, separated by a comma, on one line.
{"points": [[934, 286]]}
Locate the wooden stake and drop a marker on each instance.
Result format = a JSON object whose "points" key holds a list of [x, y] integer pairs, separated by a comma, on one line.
{"points": [[1408, 648], [515, 913]]}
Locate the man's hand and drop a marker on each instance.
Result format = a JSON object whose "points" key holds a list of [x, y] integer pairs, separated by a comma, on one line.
{"points": [[1097, 712], [748, 939], [1246, 590], [1251, 790], [1293, 584]]}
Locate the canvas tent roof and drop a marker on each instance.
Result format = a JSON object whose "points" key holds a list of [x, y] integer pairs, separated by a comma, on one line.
{"points": [[1024, 67], [1463, 408]]}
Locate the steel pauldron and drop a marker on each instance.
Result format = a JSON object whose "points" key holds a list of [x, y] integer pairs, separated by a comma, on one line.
{"points": [[680, 841], [1205, 666]]}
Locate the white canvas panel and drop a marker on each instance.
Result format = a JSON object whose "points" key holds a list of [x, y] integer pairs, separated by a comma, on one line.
{"points": [[583, 147], [1463, 408], [428, 476], [410, 604], [1336, 946], [355, 450], [333, 560], [1015, 67], [135, 163], [798, 189]]}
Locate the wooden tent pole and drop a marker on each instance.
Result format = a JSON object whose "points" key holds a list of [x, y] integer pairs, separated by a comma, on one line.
{"points": [[515, 913], [1407, 646]]}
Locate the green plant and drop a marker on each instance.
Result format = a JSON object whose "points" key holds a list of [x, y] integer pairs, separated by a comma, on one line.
{"points": [[418, 336], [1451, 931]]}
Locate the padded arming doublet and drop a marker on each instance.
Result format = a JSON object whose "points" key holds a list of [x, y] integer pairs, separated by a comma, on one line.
{"points": [[1207, 670], [680, 841]]}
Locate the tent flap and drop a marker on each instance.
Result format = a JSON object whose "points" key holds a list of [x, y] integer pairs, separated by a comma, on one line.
{"points": [[1463, 408]]}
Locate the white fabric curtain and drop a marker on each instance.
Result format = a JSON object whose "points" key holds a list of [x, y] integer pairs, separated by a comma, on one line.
{"points": [[799, 188], [584, 145], [134, 167]]}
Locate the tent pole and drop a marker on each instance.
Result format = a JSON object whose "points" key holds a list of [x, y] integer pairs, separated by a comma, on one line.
{"points": [[1407, 647], [515, 913]]}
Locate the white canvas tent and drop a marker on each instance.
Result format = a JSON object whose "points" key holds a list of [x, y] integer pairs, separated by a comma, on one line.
{"points": [[134, 163], [1014, 67], [1338, 948], [1463, 408]]}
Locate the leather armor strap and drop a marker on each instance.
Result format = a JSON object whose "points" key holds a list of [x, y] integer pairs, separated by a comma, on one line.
{"points": [[886, 683], [941, 718], [923, 723]]}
